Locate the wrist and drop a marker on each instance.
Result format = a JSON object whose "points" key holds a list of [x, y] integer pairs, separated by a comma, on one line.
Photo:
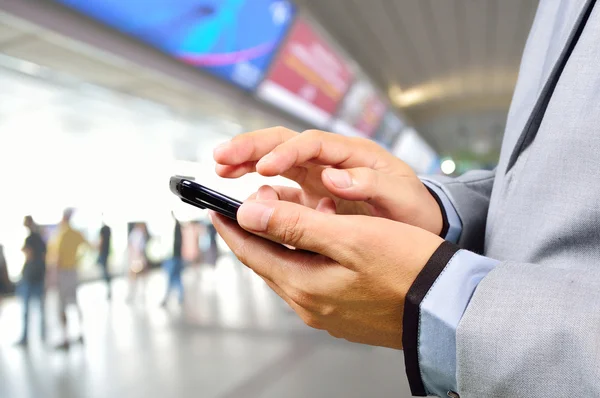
{"points": [[424, 245], [412, 314], [437, 214]]}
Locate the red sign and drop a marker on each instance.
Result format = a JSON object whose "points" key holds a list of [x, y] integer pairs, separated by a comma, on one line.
{"points": [[308, 79], [371, 116], [361, 112]]}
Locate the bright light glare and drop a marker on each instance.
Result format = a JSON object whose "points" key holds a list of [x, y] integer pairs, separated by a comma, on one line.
{"points": [[448, 166], [463, 84]]}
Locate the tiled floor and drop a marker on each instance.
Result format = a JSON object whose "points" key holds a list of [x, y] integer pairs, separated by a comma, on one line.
{"points": [[232, 338]]}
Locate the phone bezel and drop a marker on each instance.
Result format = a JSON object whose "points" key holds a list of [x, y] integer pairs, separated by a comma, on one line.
{"points": [[198, 195]]}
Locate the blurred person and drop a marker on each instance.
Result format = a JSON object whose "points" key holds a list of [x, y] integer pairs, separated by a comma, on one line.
{"points": [[63, 254], [174, 266], [104, 254], [5, 285], [32, 284], [489, 282], [212, 250], [138, 259], [191, 249]]}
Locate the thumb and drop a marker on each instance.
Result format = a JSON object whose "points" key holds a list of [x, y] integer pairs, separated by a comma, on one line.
{"points": [[403, 199], [361, 183], [298, 226]]}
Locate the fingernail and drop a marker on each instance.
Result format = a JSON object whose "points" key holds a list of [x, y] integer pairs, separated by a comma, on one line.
{"points": [[269, 158], [220, 147], [340, 178], [260, 195], [254, 216], [211, 216]]}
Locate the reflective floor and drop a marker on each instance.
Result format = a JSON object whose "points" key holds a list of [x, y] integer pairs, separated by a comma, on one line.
{"points": [[232, 338]]}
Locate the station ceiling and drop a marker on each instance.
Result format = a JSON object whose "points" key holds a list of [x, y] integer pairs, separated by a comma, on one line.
{"points": [[450, 65]]}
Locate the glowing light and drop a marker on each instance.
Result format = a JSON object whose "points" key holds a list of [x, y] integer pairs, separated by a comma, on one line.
{"points": [[448, 166], [466, 83]]}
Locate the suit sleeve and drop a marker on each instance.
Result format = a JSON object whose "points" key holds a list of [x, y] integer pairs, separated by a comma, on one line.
{"points": [[470, 197], [451, 225], [531, 330], [516, 329]]}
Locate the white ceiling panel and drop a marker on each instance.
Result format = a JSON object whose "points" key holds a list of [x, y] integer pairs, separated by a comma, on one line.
{"points": [[456, 56], [72, 62], [8, 33]]}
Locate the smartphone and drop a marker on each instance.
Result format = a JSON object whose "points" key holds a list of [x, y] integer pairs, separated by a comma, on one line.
{"points": [[200, 196]]}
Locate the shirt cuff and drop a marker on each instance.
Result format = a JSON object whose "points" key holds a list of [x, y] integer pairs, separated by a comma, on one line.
{"points": [[452, 224], [433, 309]]}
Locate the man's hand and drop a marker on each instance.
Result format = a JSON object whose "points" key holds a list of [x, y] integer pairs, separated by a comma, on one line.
{"points": [[361, 177], [349, 275]]}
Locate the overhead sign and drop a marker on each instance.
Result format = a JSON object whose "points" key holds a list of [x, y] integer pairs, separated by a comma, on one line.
{"points": [[233, 39], [308, 79], [361, 111], [389, 130], [413, 150]]}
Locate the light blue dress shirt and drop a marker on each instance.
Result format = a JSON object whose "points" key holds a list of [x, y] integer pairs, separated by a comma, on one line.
{"points": [[444, 305]]}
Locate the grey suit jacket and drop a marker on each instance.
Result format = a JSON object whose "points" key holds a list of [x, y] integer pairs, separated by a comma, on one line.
{"points": [[532, 328]]}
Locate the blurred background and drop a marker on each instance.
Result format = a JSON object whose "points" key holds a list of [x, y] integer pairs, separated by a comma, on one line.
{"points": [[101, 101]]}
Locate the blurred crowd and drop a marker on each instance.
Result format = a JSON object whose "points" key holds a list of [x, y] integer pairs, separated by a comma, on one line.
{"points": [[53, 255]]}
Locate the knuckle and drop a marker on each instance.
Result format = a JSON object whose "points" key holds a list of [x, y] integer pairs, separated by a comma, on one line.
{"points": [[360, 141], [367, 182], [291, 232], [312, 302], [240, 137], [327, 310], [290, 235], [283, 133], [287, 150], [241, 251], [313, 321], [369, 145], [312, 133], [282, 130], [301, 297]]}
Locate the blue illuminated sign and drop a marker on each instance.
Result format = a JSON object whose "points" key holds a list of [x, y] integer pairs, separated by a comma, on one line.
{"points": [[233, 39]]}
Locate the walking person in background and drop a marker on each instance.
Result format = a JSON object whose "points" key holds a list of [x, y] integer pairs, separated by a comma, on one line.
{"points": [[174, 266], [212, 252], [103, 255], [32, 283], [63, 250], [5, 285], [138, 258]]}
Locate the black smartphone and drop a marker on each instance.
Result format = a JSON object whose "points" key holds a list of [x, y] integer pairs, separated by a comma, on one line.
{"points": [[200, 196]]}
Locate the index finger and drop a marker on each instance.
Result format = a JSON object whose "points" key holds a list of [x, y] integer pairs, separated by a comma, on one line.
{"points": [[251, 146], [322, 148]]}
